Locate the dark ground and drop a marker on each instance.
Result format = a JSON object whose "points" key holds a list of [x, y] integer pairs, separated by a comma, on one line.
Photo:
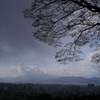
{"points": [[27, 91]]}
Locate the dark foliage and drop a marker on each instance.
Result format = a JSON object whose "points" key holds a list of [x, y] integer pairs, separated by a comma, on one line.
{"points": [[75, 21], [48, 92]]}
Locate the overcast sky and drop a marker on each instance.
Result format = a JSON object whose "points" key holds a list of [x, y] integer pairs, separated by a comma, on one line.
{"points": [[21, 54]]}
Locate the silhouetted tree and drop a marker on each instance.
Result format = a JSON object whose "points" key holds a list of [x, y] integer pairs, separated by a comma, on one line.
{"points": [[71, 24]]}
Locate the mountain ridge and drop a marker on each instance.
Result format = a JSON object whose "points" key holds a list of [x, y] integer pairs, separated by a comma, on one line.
{"points": [[73, 80], [53, 80]]}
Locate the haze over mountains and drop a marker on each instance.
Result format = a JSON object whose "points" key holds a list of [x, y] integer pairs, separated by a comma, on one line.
{"points": [[51, 80], [75, 80]]}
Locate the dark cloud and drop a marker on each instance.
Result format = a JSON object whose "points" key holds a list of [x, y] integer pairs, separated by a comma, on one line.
{"points": [[16, 41]]}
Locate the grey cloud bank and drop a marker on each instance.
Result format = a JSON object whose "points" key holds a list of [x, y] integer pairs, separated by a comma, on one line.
{"points": [[18, 48]]}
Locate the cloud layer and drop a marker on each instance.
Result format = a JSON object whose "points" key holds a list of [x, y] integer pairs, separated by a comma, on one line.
{"points": [[83, 68], [21, 54]]}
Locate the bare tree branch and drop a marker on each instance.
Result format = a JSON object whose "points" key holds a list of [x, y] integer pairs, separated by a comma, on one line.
{"points": [[78, 20]]}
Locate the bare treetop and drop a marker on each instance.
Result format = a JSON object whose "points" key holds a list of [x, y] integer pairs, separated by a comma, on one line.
{"points": [[77, 20]]}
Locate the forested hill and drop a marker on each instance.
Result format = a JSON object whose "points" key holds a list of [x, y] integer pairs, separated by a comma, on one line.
{"points": [[48, 92]]}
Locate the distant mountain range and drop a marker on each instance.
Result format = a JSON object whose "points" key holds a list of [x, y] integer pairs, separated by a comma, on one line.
{"points": [[52, 80], [73, 80]]}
